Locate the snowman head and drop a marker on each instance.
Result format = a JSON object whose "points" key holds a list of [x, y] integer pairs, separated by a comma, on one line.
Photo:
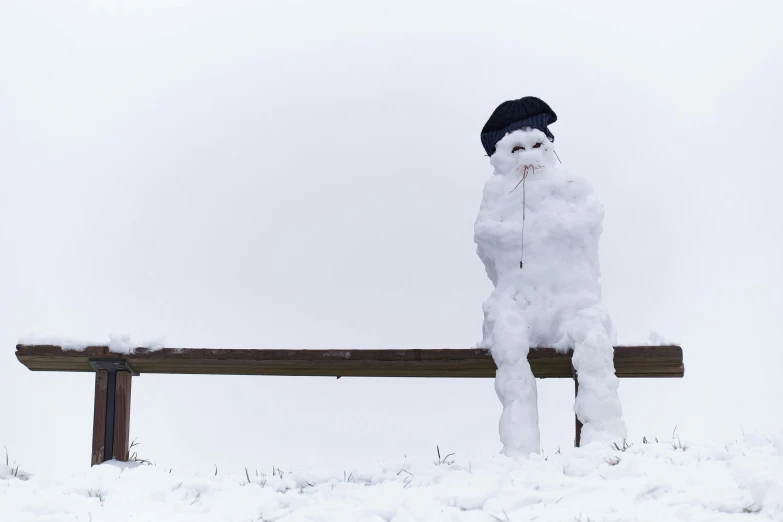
{"points": [[523, 151], [517, 136]]}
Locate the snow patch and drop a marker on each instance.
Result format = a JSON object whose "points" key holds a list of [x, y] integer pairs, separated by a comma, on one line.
{"points": [[124, 344], [644, 482], [657, 339], [117, 343], [66, 343]]}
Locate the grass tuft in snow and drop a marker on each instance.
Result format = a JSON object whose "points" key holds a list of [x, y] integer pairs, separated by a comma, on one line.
{"points": [[97, 493], [14, 469], [134, 457], [752, 508], [678, 445], [444, 460], [625, 445], [504, 519]]}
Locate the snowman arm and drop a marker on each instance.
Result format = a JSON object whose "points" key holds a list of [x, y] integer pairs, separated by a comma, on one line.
{"points": [[489, 264], [495, 231]]}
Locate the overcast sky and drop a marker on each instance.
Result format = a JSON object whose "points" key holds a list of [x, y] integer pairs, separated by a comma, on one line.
{"points": [[306, 175]]}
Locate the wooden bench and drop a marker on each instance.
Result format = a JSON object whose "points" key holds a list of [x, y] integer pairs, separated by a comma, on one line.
{"points": [[114, 372]]}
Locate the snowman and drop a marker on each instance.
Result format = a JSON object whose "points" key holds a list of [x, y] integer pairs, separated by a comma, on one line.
{"points": [[537, 233]]}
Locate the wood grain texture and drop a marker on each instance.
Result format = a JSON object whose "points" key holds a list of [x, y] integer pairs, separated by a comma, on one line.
{"points": [[122, 404], [630, 361], [99, 417]]}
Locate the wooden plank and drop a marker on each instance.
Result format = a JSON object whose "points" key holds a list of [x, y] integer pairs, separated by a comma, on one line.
{"points": [[99, 417], [122, 403], [629, 361]]}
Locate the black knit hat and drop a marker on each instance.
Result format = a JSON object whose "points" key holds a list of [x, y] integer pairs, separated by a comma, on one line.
{"points": [[517, 114]]}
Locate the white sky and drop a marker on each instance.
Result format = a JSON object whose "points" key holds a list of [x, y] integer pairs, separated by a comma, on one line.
{"points": [[306, 175]]}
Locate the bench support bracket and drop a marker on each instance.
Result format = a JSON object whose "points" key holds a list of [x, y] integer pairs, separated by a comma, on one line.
{"points": [[111, 414]]}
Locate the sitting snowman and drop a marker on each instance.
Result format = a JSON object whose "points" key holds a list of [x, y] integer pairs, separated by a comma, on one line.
{"points": [[537, 233]]}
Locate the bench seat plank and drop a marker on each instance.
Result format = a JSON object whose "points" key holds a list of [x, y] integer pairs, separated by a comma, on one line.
{"points": [[630, 361]]}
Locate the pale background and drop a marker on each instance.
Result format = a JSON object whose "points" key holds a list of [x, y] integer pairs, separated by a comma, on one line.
{"points": [[306, 175]]}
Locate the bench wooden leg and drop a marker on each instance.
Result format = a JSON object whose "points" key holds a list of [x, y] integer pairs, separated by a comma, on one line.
{"points": [[578, 436], [122, 416], [99, 417], [111, 415]]}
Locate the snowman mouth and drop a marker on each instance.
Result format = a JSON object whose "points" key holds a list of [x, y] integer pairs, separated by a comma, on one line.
{"points": [[529, 169], [526, 170]]}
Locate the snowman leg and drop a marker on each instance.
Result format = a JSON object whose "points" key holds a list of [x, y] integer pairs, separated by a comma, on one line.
{"points": [[518, 427], [597, 404]]}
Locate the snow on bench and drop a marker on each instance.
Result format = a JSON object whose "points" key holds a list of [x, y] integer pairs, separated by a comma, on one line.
{"points": [[113, 371]]}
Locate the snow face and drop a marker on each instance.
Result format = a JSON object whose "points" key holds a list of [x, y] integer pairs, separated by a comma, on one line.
{"points": [[554, 298]]}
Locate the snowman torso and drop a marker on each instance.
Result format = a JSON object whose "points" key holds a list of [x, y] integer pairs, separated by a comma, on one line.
{"points": [[558, 246]]}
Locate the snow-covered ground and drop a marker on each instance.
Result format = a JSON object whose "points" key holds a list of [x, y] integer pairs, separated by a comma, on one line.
{"points": [[653, 481]]}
